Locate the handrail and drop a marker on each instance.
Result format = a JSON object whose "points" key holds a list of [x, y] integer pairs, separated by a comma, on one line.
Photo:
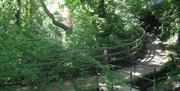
{"points": [[125, 70], [133, 48], [139, 45], [121, 52], [126, 44], [102, 48]]}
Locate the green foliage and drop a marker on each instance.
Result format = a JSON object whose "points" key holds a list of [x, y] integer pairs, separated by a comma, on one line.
{"points": [[93, 29], [168, 13], [77, 64], [33, 52], [22, 50], [172, 75]]}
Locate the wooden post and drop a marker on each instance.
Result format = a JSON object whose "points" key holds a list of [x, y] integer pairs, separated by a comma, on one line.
{"points": [[97, 81], [105, 55], [131, 80], [173, 59], [154, 88], [134, 75]]}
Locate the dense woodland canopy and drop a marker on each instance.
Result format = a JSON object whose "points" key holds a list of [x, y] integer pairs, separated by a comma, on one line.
{"points": [[32, 33]]}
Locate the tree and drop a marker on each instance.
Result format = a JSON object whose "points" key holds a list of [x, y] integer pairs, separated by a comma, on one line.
{"points": [[18, 14]]}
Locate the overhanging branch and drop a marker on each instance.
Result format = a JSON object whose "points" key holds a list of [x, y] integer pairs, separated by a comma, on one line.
{"points": [[50, 15]]}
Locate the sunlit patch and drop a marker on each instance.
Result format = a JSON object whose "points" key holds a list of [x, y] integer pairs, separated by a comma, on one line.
{"points": [[65, 12], [62, 12]]}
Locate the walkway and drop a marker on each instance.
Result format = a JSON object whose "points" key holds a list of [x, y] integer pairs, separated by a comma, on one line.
{"points": [[155, 57]]}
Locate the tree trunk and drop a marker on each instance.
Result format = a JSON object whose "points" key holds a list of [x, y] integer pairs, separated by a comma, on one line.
{"points": [[101, 9], [18, 14]]}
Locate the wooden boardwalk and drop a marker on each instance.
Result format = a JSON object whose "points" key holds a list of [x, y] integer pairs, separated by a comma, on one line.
{"points": [[155, 57]]}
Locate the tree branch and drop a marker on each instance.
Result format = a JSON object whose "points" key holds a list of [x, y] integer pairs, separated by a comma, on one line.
{"points": [[54, 21]]}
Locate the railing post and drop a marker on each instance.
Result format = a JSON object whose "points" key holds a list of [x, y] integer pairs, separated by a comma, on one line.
{"points": [[130, 80], [154, 88], [97, 81], [106, 55], [134, 75]]}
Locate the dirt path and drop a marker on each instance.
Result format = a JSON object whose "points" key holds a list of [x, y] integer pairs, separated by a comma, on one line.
{"points": [[155, 57]]}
